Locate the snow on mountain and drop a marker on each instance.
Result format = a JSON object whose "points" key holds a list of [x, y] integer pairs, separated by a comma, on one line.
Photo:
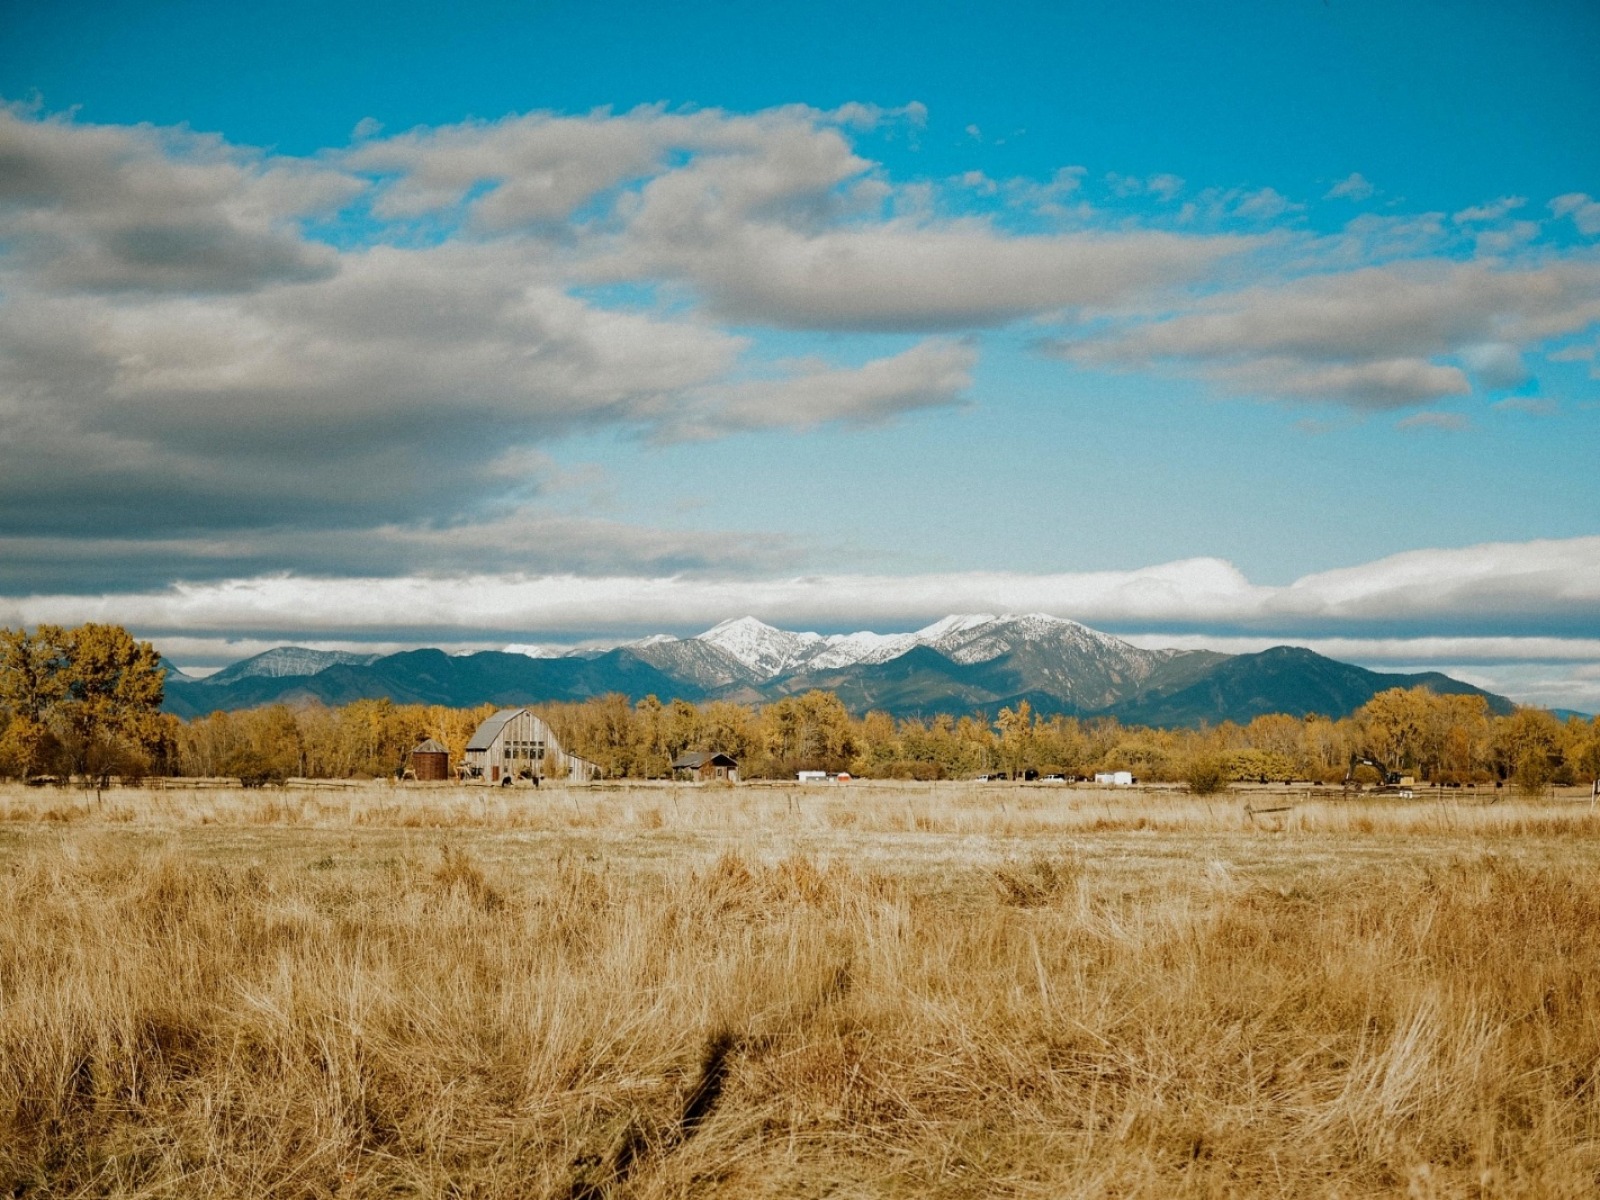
{"points": [[1034, 652], [702, 662], [954, 624], [746, 659], [848, 649], [288, 660], [982, 638], [763, 650], [767, 652], [535, 651]]}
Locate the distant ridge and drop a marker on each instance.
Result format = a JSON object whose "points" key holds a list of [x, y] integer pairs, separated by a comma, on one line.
{"points": [[1284, 679], [965, 663], [285, 661]]}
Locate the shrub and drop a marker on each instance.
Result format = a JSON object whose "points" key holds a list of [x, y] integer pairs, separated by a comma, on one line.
{"points": [[1206, 776]]}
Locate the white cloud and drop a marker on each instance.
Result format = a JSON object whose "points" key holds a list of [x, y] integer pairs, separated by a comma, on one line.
{"points": [[1496, 364], [1164, 186], [1265, 204], [134, 208], [932, 374], [1504, 587], [528, 538], [176, 354], [1371, 338], [1222, 206], [186, 369], [771, 217], [1503, 240], [1352, 187], [1494, 211], [378, 390], [1491, 583], [1585, 212]]}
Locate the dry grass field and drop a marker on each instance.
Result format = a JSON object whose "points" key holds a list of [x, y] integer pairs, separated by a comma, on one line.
{"points": [[873, 990]]}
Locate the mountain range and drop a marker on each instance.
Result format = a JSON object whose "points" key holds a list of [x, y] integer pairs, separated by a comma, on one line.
{"points": [[962, 664]]}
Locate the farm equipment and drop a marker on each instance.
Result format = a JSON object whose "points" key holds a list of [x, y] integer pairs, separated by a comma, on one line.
{"points": [[1389, 782]]}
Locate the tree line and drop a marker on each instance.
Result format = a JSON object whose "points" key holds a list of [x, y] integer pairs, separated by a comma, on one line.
{"points": [[86, 701]]}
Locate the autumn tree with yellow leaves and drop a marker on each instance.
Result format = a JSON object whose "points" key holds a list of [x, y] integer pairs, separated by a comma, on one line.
{"points": [[82, 701]]}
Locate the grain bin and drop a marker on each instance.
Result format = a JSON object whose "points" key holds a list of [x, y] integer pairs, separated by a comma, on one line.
{"points": [[430, 761]]}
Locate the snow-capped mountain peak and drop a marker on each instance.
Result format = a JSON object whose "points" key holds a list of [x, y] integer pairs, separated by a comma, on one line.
{"points": [[849, 649], [981, 641], [284, 661], [655, 639], [534, 651], [953, 624], [764, 650]]}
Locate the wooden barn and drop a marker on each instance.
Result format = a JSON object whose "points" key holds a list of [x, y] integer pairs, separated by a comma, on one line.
{"points": [[514, 744], [704, 765]]}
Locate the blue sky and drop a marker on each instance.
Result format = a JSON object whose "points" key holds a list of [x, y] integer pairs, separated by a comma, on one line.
{"points": [[643, 316]]}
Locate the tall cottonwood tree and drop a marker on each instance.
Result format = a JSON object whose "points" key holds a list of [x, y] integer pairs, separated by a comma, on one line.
{"points": [[32, 683], [89, 696]]}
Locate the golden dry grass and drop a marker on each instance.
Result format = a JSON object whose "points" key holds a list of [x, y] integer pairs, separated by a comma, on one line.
{"points": [[885, 991]]}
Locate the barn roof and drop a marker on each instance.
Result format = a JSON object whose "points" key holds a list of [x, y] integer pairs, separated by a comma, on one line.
{"points": [[486, 733], [429, 747], [694, 759]]}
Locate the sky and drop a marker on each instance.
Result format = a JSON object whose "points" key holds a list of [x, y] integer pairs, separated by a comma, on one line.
{"points": [[391, 325]]}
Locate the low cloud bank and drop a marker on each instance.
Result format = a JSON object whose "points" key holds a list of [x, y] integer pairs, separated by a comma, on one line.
{"points": [[1504, 589], [1469, 608]]}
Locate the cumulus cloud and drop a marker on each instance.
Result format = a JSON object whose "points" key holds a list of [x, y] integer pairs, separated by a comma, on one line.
{"points": [[772, 217], [1352, 187], [908, 277], [1496, 364], [120, 208], [384, 390], [932, 374], [1251, 206], [232, 361], [1494, 211], [1373, 338], [772, 233], [1162, 186], [1584, 211], [179, 359]]}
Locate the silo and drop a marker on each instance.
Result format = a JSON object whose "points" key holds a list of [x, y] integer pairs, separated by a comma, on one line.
{"points": [[430, 761]]}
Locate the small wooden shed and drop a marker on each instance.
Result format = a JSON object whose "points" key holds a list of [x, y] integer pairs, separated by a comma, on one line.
{"points": [[430, 762], [704, 765]]}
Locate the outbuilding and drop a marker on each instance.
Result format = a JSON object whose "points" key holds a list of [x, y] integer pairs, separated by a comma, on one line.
{"points": [[705, 765], [430, 762], [514, 744], [1116, 778]]}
